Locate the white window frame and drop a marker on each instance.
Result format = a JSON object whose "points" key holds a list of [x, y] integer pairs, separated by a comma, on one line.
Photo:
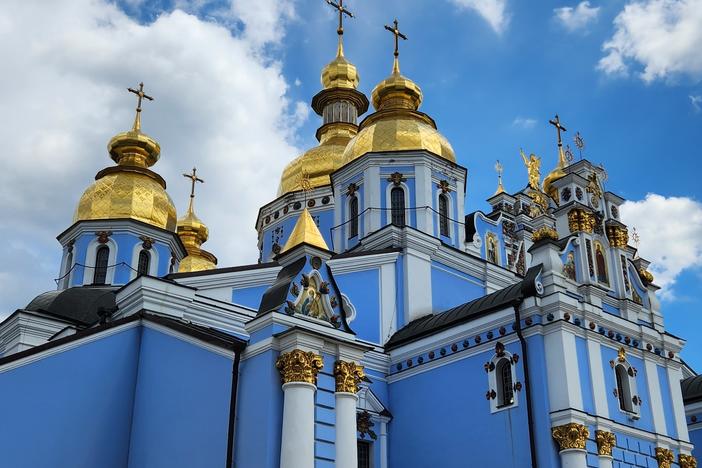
{"points": [[449, 209], [622, 362], [494, 385], [388, 202], [153, 260], [90, 259]]}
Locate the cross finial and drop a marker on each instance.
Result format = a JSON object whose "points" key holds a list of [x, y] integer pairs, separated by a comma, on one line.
{"points": [[193, 179], [342, 11], [141, 95], [559, 128], [398, 35], [499, 168]]}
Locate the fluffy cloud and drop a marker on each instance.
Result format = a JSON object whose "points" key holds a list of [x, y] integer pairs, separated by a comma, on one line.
{"points": [[661, 36], [220, 104], [492, 11], [671, 235], [524, 122], [696, 102], [576, 19]]}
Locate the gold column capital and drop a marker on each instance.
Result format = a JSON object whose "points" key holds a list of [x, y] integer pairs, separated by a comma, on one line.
{"points": [[299, 366], [664, 457], [581, 220], [687, 461], [605, 442], [570, 436], [618, 236], [348, 376]]}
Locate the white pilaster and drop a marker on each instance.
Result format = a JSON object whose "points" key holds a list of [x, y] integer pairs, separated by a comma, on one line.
{"points": [[346, 450], [562, 371], [654, 392], [599, 391], [388, 301], [674, 378], [423, 188], [371, 198], [417, 278], [383, 443], [297, 441]]}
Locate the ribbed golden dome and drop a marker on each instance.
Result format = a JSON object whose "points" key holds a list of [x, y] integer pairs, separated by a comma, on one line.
{"points": [[397, 125], [130, 189], [340, 73], [554, 175]]}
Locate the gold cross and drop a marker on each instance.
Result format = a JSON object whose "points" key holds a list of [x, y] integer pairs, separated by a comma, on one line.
{"points": [[557, 123], [193, 179], [342, 11], [142, 95], [396, 32]]}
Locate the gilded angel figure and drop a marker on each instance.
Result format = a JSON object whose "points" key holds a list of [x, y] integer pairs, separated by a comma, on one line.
{"points": [[533, 164]]}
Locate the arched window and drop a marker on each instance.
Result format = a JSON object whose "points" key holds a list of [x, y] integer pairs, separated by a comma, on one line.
{"points": [[66, 281], [353, 217], [624, 392], [102, 256], [601, 263], [144, 262], [505, 388], [397, 204], [444, 215]]}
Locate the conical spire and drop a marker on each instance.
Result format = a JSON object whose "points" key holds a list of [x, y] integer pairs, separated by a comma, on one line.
{"points": [[499, 168], [305, 232]]}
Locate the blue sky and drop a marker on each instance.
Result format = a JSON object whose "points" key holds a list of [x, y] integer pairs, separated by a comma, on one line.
{"points": [[492, 77]]}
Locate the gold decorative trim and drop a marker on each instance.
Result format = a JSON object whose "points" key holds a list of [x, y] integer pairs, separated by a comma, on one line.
{"points": [[348, 376], [664, 457], [687, 461], [544, 232], [621, 354], [646, 276], [299, 366], [618, 236], [605, 442], [580, 220], [570, 436]]}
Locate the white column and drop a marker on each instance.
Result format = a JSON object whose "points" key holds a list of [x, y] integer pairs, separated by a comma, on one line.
{"points": [[606, 441], [605, 461], [417, 273], [297, 444], [383, 443], [599, 390], [424, 199], [573, 458], [654, 395], [371, 196], [674, 378], [562, 370], [299, 370], [346, 450]]}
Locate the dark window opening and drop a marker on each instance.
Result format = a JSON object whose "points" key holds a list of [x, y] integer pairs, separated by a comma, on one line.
{"points": [[505, 395], [364, 454], [353, 217], [397, 204], [623, 389], [144, 262], [102, 256], [443, 215]]}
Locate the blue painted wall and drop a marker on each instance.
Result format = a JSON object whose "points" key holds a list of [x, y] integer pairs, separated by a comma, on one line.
{"points": [[696, 439], [363, 289], [72, 409], [261, 400], [450, 287], [446, 407], [181, 402], [585, 377], [249, 297]]}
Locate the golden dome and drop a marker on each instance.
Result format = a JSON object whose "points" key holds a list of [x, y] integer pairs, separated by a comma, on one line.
{"points": [[123, 193], [340, 73], [554, 175], [397, 125], [193, 232]]}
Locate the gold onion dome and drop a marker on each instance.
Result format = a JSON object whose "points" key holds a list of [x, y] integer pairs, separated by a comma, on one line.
{"points": [[339, 103], [397, 125], [193, 232], [559, 171], [129, 189]]}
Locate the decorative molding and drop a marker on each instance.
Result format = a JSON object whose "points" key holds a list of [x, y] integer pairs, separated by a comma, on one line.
{"points": [[544, 232], [299, 366], [571, 436], [348, 376], [580, 220], [687, 461], [605, 442], [618, 236], [664, 457]]}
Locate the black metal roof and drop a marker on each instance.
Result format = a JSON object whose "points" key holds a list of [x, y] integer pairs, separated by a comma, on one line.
{"points": [[277, 294], [692, 389], [79, 304], [430, 324]]}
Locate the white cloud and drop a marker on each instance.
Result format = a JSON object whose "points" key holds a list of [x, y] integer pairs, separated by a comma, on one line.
{"points": [[696, 101], [578, 18], [663, 37], [671, 235], [524, 122], [492, 11], [220, 104]]}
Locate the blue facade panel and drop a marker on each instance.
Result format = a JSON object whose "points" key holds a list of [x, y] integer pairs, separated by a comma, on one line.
{"points": [[450, 287], [363, 289], [249, 297], [585, 377], [182, 401], [667, 398], [81, 406]]}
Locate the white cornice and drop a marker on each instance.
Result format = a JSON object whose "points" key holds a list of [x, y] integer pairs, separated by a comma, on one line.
{"points": [[235, 279], [361, 262]]}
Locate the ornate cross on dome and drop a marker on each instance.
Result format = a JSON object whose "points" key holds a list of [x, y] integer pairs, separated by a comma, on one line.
{"points": [[342, 11], [398, 35], [193, 179], [557, 123], [141, 95]]}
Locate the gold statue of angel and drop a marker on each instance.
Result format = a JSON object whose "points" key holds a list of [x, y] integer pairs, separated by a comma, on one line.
{"points": [[533, 164]]}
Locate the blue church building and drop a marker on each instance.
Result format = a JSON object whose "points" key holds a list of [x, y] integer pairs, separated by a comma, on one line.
{"points": [[382, 327]]}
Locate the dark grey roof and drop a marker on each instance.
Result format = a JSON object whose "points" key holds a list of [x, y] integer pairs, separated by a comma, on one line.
{"points": [[79, 304], [277, 294], [430, 324], [692, 389]]}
